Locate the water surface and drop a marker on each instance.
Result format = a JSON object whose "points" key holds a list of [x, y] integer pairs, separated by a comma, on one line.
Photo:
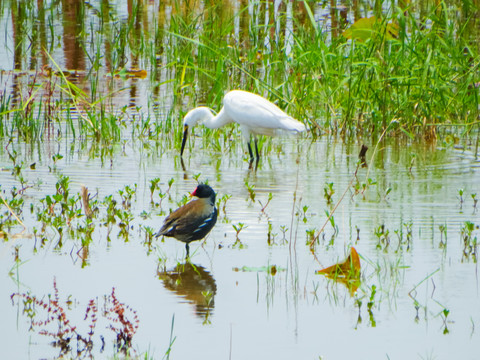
{"points": [[406, 213]]}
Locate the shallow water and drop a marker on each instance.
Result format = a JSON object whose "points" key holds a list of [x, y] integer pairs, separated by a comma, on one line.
{"points": [[293, 313], [232, 303]]}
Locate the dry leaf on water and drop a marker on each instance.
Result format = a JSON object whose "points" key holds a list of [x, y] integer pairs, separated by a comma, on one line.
{"points": [[348, 268], [346, 272]]}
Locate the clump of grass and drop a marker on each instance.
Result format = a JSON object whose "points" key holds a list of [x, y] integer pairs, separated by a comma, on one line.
{"points": [[270, 234], [224, 199], [404, 235], [262, 210], [60, 210], [149, 237], [238, 228], [383, 237], [470, 242], [415, 75], [284, 229], [370, 305], [445, 312], [443, 236], [328, 192], [304, 213], [126, 195], [331, 220], [251, 191], [13, 209], [475, 201], [311, 236], [460, 197], [154, 185]]}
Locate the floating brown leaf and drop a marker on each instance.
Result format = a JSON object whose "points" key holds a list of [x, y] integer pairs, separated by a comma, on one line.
{"points": [[348, 268], [346, 272]]}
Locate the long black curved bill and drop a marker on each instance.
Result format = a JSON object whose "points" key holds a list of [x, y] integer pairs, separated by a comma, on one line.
{"points": [[184, 140]]}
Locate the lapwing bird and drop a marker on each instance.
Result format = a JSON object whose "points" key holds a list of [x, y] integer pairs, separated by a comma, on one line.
{"points": [[194, 220]]}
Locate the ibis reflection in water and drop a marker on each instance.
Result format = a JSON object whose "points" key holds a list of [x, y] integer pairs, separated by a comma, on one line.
{"points": [[192, 283]]}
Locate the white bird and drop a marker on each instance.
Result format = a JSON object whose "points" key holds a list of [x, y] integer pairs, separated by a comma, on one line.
{"points": [[255, 115]]}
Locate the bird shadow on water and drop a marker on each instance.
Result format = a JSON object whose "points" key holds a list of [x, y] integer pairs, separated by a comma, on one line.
{"points": [[192, 283]]}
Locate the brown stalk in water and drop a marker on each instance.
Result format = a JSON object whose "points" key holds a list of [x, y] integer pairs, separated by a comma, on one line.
{"points": [[86, 201]]}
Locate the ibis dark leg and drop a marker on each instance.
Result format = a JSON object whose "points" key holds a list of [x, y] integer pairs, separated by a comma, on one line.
{"points": [[250, 151], [187, 247], [256, 149]]}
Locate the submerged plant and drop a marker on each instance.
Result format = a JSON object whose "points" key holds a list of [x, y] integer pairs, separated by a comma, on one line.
{"points": [[475, 201], [262, 210], [370, 304], [13, 209], [126, 194], [470, 243], [56, 322], [149, 236], [331, 220], [284, 229], [444, 314], [304, 212], [413, 157], [443, 236], [153, 186], [270, 234], [123, 322], [60, 211], [383, 236], [460, 196], [328, 192], [404, 239], [224, 199], [238, 228], [251, 191]]}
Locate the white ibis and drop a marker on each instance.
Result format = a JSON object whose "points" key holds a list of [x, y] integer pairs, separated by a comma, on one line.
{"points": [[255, 115]]}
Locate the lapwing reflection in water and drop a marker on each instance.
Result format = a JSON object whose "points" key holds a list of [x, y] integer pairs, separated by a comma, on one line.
{"points": [[194, 284]]}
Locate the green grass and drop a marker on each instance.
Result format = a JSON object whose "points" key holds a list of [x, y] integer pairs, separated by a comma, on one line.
{"points": [[421, 83]]}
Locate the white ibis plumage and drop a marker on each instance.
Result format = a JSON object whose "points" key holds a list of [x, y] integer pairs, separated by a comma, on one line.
{"points": [[255, 115]]}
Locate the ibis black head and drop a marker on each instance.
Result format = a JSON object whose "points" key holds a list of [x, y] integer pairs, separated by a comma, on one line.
{"points": [[193, 117]]}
